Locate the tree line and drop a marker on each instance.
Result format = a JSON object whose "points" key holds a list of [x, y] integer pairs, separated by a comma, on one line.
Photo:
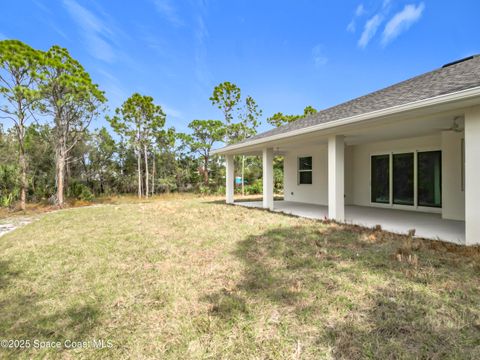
{"points": [[49, 153]]}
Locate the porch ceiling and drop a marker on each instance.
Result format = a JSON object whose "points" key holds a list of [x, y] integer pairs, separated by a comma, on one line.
{"points": [[427, 225]]}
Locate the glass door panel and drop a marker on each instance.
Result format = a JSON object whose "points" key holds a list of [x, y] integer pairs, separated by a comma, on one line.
{"points": [[380, 179], [403, 188], [430, 178]]}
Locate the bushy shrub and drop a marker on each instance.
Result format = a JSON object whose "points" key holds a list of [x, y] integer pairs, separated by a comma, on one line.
{"points": [[220, 190], [204, 189], [167, 185], [9, 187], [278, 179], [255, 188], [80, 191]]}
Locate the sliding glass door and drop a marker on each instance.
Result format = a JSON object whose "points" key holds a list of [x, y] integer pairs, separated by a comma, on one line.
{"points": [[380, 179], [398, 172], [430, 178], [403, 188]]}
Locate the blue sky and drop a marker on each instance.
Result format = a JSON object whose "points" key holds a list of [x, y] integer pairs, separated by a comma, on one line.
{"points": [[286, 54]]}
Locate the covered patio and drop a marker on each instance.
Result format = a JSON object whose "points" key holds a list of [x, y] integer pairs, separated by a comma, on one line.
{"points": [[404, 157], [426, 225]]}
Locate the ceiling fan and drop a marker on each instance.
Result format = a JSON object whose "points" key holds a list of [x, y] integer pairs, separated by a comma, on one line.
{"points": [[455, 125]]}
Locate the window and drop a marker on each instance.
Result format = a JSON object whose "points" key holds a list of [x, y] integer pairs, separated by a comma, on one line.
{"points": [[305, 170], [430, 178], [403, 188], [380, 179]]}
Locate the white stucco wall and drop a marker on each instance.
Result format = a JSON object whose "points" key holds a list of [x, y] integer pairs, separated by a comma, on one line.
{"points": [[472, 175], [317, 192], [453, 197], [357, 172]]}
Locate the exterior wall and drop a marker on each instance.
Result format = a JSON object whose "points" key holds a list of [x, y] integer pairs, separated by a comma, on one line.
{"points": [[317, 192], [472, 175], [361, 162], [453, 197], [349, 175], [357, 172]]}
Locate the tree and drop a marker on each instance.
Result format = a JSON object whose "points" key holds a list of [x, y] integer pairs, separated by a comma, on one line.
{"points": [[204, 134], [279, 119], [164, 141], [227, 96], [19, 71], [100, 156], [138, 120], [248, 128], [72, 100], [41, 160]]}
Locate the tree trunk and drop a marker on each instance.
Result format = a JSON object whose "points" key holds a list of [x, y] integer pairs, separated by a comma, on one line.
{"points": [[22, 156], [205, 171], [146, 169], [23, 178], [243, 175], [139, 170], [153, 173], [60, 174], [67, 175]]}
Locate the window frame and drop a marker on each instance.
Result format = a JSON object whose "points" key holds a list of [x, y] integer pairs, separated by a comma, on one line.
{"points": [[304, 170]]}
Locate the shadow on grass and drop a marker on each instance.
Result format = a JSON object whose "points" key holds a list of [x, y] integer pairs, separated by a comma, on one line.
{"points": [[244, 199], [6, 274], [346, 283], [24, 314]]}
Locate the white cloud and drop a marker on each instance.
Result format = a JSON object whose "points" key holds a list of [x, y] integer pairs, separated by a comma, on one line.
{"points": [[386, 3], [172, 112], [168, 11], [370, 29], [113, 87], [42, 7], [360, 10], [402, 21], [202, 72], [95, 32], [319, 58], [351, 27]]}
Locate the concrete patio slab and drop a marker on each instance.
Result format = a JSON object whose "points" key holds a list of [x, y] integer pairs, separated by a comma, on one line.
{"points": [[427, 225]]}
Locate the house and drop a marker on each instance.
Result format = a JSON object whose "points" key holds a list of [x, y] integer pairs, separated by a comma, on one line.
{"points": [[406, 156]]}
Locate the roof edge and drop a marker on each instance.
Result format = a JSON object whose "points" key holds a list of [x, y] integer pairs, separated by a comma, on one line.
{"points": [[440, 99]]}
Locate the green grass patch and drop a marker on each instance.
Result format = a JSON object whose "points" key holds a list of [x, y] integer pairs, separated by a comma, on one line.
{"points": [[194, 278]]}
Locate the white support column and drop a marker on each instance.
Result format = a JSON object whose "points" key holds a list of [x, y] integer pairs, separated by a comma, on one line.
{"points": [[336, 178], [268, 178], [453, 194], [229, 183], [472, 176]]}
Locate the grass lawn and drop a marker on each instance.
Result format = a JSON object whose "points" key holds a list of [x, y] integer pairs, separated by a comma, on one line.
{"points": [[194, 278]]}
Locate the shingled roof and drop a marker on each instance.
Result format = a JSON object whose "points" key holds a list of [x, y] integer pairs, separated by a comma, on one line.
{"points": [[456, 76]]}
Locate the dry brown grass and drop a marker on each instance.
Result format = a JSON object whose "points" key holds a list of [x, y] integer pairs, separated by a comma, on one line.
{"points": [[183, 277]]}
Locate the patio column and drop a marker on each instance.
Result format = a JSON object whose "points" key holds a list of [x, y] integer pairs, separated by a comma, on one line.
{"points": [[472, 176], [336, 178], [229, 182], [268, 178]]}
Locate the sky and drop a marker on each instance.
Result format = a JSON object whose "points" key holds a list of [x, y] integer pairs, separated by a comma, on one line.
{"points": [[285, 54]]}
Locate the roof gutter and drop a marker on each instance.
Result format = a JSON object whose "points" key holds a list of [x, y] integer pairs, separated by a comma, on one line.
{"points": [[441, 99]]}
